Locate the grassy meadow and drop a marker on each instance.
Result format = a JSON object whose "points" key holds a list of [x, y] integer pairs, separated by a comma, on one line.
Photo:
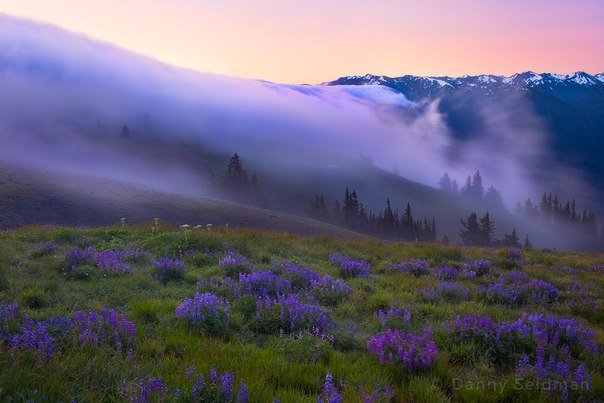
{"points": [[173, 314]]}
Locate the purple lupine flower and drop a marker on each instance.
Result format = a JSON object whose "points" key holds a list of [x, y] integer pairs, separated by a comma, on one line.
{"points": [[291, 314], [235, 264], [329, 392], [416, 267], [144, 390], [329, 291], [108, 328], [262, 283], [446, 273], [351, 267], [448, 291], [243, 395], [166, 269], [405, 349], [205, 310], [300, 277], [107, 261], [227, 381], [393, 314], [45, 249], [476, 268], [516, 288]]}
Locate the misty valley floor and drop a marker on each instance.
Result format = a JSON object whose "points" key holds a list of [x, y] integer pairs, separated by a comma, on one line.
{"points": [[163, 314]]}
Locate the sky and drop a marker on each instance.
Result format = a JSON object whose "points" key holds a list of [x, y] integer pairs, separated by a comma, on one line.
{"points": [[313, 41]]}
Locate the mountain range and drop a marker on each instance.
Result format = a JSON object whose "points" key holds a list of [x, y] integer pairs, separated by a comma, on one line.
{"points": [[571, 107]]}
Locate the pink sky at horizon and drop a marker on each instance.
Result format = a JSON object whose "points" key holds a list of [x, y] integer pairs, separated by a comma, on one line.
{"points": [[313, 41]]}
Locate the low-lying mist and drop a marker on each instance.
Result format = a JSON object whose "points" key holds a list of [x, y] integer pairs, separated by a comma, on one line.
{"points": [[65, 100]]}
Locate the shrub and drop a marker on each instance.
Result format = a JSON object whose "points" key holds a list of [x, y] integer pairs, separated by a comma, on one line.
{"points": [[404, 349]]}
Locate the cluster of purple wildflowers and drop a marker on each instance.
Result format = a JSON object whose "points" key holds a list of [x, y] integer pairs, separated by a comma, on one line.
{"points": [[446, 273], [144, 390], [597, 268], [78, 256], [206, 310], [379, 393], [351, 267], [300, 277], [235, 264], [516, 288], [41, 337], [476, 268], [45, 249], [393, 315], [289, 313], [33, 336], [515, 257], [107, 261], [416, 267], [330, 291], [135, 255], [544, 337], [330, 393], [405, 349], [445, 290], [166, 269], [215, 387], [573, 271], [555, 369], [106, 327], [582, 300], [20, 333], [263, 283]]}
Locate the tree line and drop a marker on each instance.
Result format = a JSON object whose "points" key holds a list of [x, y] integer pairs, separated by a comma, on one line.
{"points": [[353, 214], [480, 232]]}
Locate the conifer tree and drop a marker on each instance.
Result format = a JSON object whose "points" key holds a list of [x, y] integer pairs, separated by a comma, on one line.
{"points": [[470, 231], [512, 239], [235, 174], [477, 188], [487, 229]]}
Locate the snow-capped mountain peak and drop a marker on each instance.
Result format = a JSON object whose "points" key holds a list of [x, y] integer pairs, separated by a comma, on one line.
{"points": [[416, 88]]}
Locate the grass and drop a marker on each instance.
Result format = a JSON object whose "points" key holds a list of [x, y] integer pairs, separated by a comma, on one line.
{"points": [[290, 368]]}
